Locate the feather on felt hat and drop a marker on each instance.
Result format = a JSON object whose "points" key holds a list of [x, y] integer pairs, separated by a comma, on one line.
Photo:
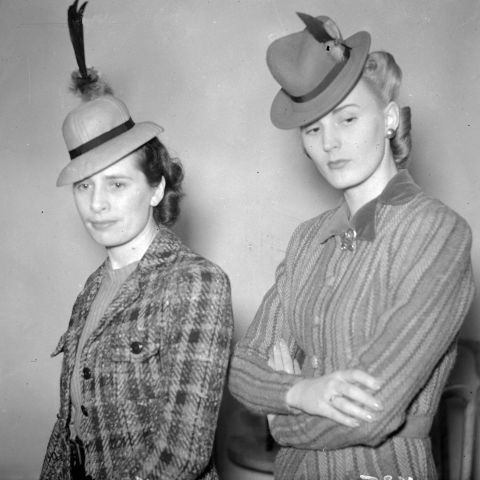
{"points": [[316, 69], [100, 131]]}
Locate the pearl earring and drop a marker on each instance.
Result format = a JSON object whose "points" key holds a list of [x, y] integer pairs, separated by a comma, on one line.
{"points": [[390, 133]]}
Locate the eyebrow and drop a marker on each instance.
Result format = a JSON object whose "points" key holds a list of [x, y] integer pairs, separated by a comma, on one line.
{"points": [[334, 111], [116, 177], [338, 109]]}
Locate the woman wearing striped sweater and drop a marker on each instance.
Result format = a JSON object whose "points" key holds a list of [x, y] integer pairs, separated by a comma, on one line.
{"points": [[351, 347]]}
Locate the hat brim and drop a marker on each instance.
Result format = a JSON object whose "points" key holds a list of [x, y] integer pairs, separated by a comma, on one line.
{"points": [[286, 113], [108, 153]]}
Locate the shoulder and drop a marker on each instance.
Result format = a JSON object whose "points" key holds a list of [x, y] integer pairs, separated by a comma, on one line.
{"points": [[431, 216], [190, 289], [194, 267], [169, 256], [91, 283], [424, 224], [190, 276], [309, 236], [312, 227], [198, 290], [94, 276]]}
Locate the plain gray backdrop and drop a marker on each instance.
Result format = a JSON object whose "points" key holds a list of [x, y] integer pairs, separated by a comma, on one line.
{"points": [[197, 67]]}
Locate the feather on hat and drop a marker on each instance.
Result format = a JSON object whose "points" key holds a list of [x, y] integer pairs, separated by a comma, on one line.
{"points": [[100, 131]]}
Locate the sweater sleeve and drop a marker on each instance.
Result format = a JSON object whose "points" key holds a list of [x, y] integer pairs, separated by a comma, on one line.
{"points": [[431, 296], [193, 372], [252, 382]]}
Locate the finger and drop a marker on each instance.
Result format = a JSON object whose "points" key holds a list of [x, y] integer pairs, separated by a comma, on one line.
{"points": [[362, 378], [339, 417], [286, 358], [270, 419], [277, 358], [356, 394], [350, 409], [271, 360], [296, 368]]}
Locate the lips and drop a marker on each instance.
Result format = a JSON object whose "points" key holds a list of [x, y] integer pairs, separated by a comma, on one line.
{"points": [[101, 225], [337, 164]]}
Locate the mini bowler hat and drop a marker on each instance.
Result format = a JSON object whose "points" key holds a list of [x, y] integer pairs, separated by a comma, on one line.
{"points": [[316, 69], [98, 133]]}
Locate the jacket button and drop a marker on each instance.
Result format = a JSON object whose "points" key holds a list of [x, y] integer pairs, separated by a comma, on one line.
{"points": [[84, 410], [87, 373], [136, 347]]}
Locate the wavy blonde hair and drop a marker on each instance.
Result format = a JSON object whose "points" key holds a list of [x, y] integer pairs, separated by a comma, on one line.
{"points": [[383, 75]]}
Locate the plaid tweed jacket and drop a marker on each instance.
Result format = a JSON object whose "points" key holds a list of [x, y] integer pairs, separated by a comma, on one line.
{"points": [[156, 369]]}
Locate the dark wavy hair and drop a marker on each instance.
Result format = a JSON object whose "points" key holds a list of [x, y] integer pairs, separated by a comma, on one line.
{"points": [[155, 162], [384, 76]]}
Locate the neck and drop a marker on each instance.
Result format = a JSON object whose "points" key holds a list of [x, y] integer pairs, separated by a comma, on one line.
{"points": [[122, 255], [358, 195]]}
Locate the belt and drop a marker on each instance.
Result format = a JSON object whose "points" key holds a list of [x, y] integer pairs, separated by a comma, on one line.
{"points": [[415, 426]]}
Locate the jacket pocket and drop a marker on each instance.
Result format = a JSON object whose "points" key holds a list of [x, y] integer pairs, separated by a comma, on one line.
{"points": [[134, 349], [134, 369]]}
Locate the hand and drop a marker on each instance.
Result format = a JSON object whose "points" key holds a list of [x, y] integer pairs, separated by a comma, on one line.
{"points": [[281, 361], [342, 396]]}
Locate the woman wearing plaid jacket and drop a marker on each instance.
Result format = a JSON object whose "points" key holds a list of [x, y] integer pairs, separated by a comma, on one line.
{"points": [[146, 350]]}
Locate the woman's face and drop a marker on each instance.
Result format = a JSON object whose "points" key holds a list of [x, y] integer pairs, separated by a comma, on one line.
{"points": [[348, 144], [115, 205]]}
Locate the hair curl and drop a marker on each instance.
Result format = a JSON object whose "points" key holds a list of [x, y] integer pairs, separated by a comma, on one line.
{"points": [[384, 77], [155, 162]]}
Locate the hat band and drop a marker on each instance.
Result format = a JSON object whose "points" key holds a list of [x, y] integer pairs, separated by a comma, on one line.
{"points": [[327, 80], [104, 137]]}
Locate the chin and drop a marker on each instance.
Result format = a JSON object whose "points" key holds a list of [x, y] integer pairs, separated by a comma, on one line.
{"points": [[346, 182], [342, 183], [105, 240]]}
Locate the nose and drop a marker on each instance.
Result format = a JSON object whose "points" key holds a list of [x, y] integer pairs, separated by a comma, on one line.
{"points": [[98, 200], [330, 138]]}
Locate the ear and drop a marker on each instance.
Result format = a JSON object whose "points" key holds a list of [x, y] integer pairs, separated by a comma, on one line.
{"points": [[158, 193], [392, 116]]}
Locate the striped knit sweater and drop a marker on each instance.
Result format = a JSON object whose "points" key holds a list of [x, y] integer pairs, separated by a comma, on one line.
{"points": [[392, 306]]}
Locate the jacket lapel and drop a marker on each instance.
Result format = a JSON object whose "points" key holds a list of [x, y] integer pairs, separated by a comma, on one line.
{"points": [[159, 255], [127, 294], [72, 335]]}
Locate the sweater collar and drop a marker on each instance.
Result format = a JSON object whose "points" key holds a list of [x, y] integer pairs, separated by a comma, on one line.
{"points": [[162, 251], [398, 191]]}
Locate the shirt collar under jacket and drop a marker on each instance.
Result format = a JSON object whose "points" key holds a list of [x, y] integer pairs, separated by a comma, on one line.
{"points": [[398, 191]]}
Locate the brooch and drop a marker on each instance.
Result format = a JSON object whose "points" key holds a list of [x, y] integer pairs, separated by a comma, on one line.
{"points": [[348, 240]]}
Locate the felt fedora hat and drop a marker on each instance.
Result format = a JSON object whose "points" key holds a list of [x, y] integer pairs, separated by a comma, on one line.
{"points": [[98, 133], [316, 69]]}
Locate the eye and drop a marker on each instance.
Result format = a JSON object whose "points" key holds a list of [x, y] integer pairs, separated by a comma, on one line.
{"points": [[313, 130], [349, 120], [118, 185], [81, 186]]}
